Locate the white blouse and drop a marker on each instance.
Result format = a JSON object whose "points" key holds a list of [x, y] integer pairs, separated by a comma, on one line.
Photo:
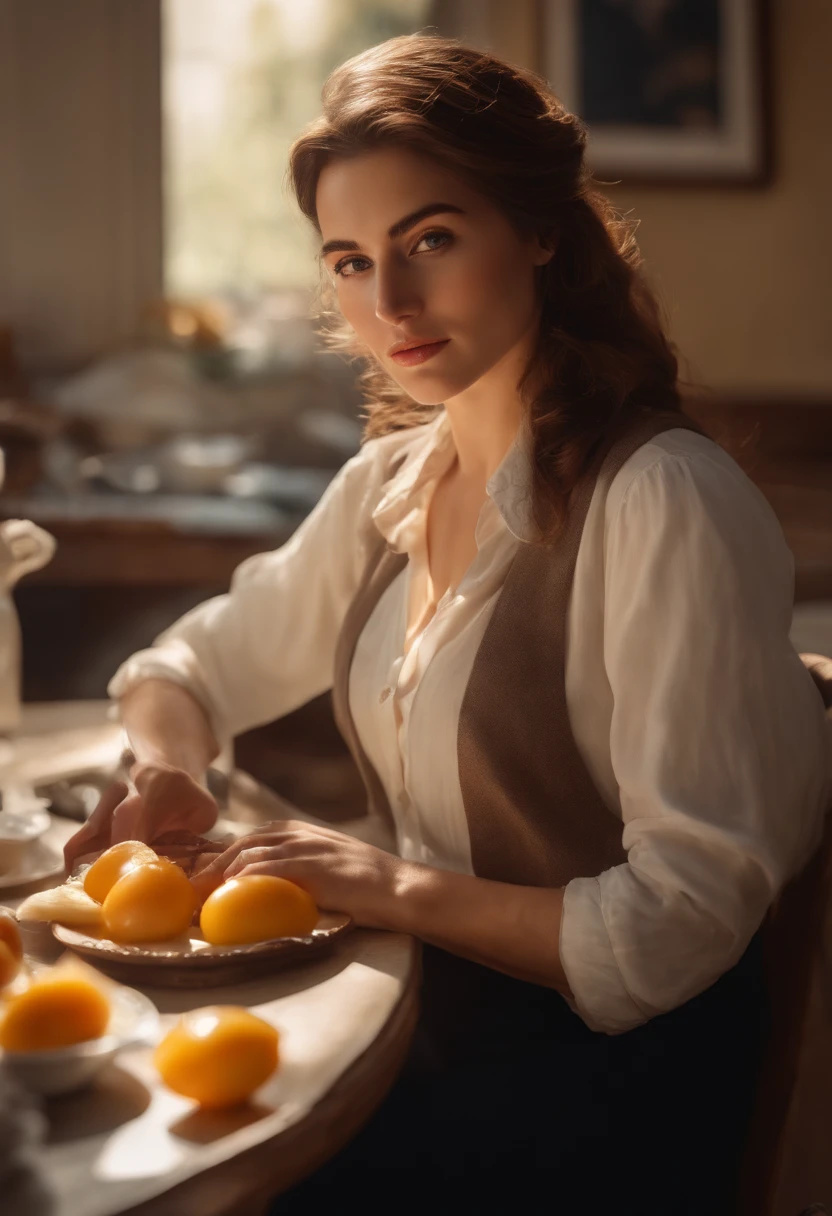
{"points": [[688, 703]]}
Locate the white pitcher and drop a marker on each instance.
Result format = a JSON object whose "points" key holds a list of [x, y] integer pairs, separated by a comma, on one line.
{"points": [[24, 547]]}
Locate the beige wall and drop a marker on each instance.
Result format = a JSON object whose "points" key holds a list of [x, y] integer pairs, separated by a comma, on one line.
{"points": [[745, 275], [80, 170]]}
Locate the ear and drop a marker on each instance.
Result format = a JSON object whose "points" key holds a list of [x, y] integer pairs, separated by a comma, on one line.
{"points": [[544, 251]]}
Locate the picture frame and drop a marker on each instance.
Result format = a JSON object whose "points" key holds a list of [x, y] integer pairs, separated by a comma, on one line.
{"points": [[671, 91]]}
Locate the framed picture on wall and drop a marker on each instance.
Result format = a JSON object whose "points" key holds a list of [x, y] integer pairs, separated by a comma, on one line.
{"points": [[670, 90]]}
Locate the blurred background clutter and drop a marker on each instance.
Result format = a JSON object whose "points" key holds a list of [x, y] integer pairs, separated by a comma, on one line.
{"points": [[166, 408]]}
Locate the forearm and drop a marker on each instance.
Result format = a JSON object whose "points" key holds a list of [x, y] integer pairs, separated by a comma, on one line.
{"points": [[166, 725], [510, 928]]}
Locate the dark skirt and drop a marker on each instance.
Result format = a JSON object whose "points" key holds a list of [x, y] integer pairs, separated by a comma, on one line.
{"points": [[508, 1097]]}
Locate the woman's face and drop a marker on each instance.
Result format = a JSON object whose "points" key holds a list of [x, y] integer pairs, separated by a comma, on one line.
{"points": [[460, 275]]}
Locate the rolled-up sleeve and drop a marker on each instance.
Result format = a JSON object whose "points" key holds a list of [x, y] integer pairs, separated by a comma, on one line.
{"points": [[267, 646], [718, 742]]}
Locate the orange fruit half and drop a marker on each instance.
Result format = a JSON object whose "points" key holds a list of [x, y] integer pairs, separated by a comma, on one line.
{"points": [[256, 908], [151, 903]]}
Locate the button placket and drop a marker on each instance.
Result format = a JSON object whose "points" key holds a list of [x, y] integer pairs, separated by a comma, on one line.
{"points": [[392, 680]]}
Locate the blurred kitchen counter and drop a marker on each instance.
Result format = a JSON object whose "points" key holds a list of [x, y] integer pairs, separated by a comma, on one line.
{"points": [[153, 541]]}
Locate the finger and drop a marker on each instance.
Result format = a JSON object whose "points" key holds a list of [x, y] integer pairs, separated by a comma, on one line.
{"points": [[216, 868], [126, 823], [188, 844], [221, 843], [99, 820], [151, 814], [199, 848], [310, 829], [279, 869], [248, 856], [210, 874], [84, 843], [276, 867], [221, 863], [86, 859], [276, 827], [95, 834], [178, 836], [172, 799], [205, 881]]}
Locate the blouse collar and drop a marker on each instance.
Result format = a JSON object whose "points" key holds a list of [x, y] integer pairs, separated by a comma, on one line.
{"points": [[406, 496]]}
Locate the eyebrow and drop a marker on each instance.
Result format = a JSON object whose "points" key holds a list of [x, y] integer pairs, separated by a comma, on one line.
{"points": [[398, 229]]}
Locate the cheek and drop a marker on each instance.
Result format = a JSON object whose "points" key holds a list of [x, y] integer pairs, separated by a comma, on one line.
{"points": [[506, 279], [494, 300], [358, 307]]}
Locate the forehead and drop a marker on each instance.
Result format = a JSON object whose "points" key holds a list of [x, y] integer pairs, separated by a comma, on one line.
{"points": [[373, 190]]}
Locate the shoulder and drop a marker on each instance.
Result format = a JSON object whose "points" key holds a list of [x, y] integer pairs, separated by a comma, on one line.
{"points": [[680, 468], [681, 496]]}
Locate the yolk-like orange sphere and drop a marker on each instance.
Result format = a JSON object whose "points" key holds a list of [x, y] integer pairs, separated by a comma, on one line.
{"points": [[10, 933], [11, 947], [107, 869], [54, 1011], [217, 1055], [9, 965], [152, 903], [255, 908]]}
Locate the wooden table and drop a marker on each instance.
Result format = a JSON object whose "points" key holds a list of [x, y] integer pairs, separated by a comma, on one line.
{"points": [[129, 1145]]}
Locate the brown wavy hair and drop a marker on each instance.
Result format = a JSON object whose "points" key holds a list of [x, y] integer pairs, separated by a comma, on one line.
{"points": [[602, 356]]}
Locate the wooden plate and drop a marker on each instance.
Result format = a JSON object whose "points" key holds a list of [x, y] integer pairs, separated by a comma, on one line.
{"points": [[190, 962]]}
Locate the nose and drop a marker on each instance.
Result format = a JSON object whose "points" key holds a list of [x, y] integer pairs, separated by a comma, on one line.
{"points": [[396, 295]]}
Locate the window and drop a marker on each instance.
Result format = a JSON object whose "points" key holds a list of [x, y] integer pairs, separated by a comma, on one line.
{"points": [[241, 79], [82, 229]]}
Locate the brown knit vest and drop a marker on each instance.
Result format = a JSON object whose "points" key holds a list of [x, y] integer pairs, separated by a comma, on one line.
{"points": [[535, 816]]}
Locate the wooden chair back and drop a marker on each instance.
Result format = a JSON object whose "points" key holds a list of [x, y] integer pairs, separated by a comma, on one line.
{"points": [[793, 943]]}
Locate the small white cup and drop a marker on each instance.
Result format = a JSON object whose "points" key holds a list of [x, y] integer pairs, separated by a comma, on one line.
{"points": [[23, 821]]}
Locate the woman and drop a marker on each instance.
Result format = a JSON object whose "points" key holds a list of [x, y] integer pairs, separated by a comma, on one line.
{"points": [[554, 616]]}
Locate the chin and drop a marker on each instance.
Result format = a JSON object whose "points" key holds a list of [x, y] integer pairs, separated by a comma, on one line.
{"points": [[434, 390], [426, 398]]}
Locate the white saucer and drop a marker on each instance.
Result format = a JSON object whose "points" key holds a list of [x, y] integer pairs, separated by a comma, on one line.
{"points": [[39, 862]]}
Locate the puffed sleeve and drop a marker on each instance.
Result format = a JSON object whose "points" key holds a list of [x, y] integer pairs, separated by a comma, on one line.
{"points": [[267, 646], [718, 742]]}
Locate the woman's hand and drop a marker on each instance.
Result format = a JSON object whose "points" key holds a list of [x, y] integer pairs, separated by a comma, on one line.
{"points": [[167, 799], [514, 929], [340, 873]]}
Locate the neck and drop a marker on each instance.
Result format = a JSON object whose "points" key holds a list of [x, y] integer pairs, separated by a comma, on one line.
{"points": [[484, 419], [482, 438]]}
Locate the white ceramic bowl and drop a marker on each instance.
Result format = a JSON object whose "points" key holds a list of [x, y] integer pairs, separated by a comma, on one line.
{"points": [[19, 829], [199, 464], [134, 1022]]}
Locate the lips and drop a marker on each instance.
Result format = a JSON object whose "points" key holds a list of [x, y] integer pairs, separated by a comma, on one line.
{"points": [[412, 355]]}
